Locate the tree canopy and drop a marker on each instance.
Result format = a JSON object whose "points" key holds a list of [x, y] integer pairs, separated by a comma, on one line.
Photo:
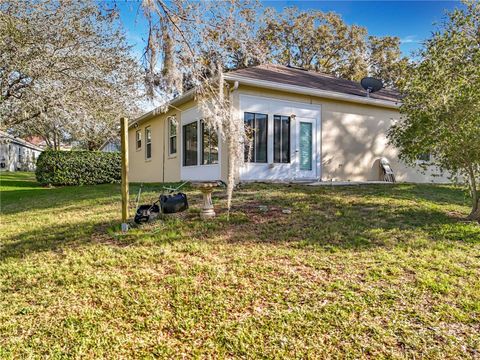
{"points": [[441, 103], [66, 71], [323, 42]]}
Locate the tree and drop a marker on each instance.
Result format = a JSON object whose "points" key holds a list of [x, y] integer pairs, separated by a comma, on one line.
{"points": [[441, 104], [65, 71], [314, 40], [384, 59], [323, 42]]}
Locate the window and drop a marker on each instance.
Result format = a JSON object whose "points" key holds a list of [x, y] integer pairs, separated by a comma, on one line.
{"points": [[209, 144], [138, 139], [281, 139], [172, 135], [256, 137], [148, 143], [424, 157], [190, 144]]}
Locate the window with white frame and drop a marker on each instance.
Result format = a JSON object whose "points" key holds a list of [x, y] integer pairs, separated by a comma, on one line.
{"points": [[256, 132], [148, 143], [281, 139], [172, 135], [190, 144], [209, 144], [138, 139]]}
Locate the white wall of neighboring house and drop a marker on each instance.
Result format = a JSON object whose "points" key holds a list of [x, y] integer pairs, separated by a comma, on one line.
{"points": [[17, 155], [111, 146]]}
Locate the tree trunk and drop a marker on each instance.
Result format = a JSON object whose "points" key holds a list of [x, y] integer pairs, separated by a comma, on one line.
{"points": [[475, 214]]}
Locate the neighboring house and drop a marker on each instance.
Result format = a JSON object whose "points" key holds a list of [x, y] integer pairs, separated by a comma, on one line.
{"points": [[17, 154], [39, 141], [306, 126], [112, 145]]}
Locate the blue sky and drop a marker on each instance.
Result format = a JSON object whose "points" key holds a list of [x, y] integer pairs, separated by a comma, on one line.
{"points": [[412, 21]]}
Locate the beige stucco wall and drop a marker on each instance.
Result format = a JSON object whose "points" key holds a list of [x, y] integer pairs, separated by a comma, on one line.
{"points": [[353, 138], [153, 170]]}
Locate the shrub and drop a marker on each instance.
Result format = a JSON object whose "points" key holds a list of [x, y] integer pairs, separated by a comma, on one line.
{"points": [[78, 167]]}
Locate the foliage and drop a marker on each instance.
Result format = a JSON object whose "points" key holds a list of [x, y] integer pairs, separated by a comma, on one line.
{"points": [[66, 71], [441, 104], [385, 61], [352, 272], [323, 42], [78, 167]]}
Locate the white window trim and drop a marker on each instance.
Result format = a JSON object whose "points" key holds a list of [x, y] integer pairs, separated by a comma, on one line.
{"points": [[169, 136], [146, 139], [141, 140]]}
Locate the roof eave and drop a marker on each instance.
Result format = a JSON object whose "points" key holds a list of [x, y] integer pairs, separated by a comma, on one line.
{"points": [[160, 109], [313, 92], [21, 142]]}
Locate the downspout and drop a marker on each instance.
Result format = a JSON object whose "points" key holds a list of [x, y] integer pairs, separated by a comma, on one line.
{"points": [[230, 92], [165, 135]]}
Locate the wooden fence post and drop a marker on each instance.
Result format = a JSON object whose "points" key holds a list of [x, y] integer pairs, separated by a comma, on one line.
{"points": [[124, 144]]}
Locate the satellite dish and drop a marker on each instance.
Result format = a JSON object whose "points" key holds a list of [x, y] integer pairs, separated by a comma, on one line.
{"points": [[371, 84]]}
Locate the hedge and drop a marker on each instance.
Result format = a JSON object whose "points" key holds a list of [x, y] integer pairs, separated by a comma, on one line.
{"points": [[78, 167]]}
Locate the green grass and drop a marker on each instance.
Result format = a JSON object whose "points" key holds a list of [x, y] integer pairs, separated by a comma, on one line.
{"points": [[352, 272]]}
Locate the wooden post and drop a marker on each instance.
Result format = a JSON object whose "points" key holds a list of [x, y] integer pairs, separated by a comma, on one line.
{"points": [[124, 142]]}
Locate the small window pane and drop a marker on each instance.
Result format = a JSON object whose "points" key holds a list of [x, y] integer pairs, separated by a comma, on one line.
{"points": [[281, 139], [173, 126], [173, 145], [249, 137], [260, 138], [148, 143], [255, 137], [209, 144], [138, 139], [190, 142], [172, 135]]}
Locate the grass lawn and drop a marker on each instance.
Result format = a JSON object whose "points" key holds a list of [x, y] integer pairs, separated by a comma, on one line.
{"points": [[352, 272]]}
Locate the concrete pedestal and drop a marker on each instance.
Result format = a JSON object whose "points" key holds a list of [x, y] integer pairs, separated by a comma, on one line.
{"points": [[206, 188]]}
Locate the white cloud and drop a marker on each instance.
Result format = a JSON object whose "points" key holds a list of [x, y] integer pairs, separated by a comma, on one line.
{"points": [[410, 39]]}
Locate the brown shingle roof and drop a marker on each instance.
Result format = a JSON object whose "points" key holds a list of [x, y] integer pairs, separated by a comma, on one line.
{"points": [[298, 77]]}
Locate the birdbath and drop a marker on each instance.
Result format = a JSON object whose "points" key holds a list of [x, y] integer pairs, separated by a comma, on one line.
{"points": [[206, 187]]}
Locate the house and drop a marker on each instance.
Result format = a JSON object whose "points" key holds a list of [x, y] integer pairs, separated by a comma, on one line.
{"points": [[306, 126], [17, 154], [111, 145]]}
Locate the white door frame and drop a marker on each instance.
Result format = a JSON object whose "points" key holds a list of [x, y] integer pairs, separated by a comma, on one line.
{"points": [[270, 106]]}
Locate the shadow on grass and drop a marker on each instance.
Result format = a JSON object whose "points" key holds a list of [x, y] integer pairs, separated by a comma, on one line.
{"points": [[21, 200], [54, 238], [17, 180], [353, 218]]}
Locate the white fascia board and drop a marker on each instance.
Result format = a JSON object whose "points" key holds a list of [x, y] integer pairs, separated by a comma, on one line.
{"points": [[313, 92], [158, 110], [20, 142]]}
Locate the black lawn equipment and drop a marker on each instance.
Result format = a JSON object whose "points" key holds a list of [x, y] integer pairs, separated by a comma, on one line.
{"points": [[169, 202]]}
